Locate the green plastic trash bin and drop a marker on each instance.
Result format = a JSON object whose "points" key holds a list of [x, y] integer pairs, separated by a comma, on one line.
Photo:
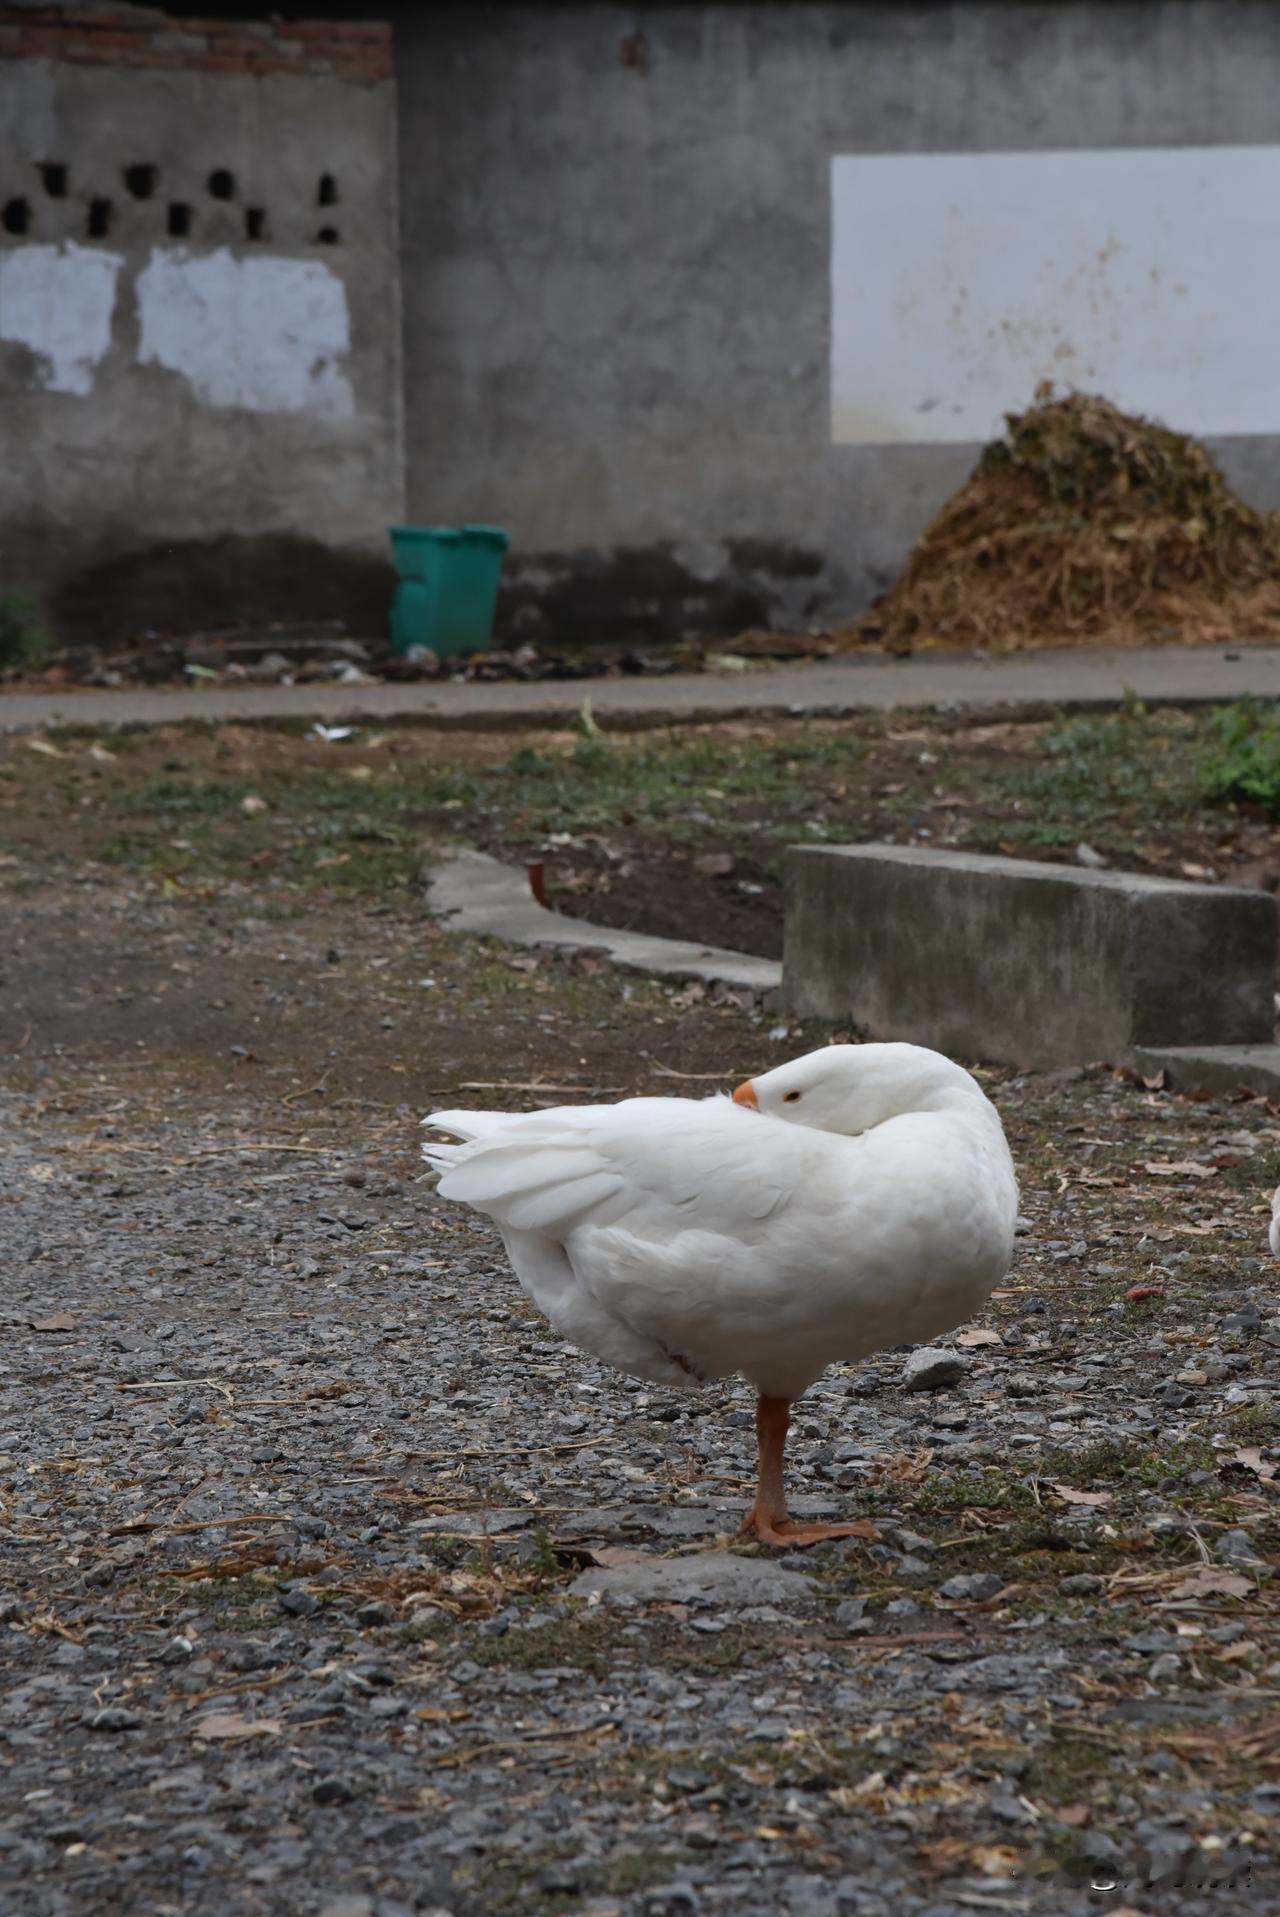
{"points": [[448, 586]]}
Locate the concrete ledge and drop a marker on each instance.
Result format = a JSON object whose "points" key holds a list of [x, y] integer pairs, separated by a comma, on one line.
{"points": [[1031, 964], [480, 895], [1214, 1068], [1074, 679]]}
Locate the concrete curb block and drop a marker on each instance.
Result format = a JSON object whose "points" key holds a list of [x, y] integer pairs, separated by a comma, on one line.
{"points": [[474, 893], [1213, 1068], [1028, 963]]}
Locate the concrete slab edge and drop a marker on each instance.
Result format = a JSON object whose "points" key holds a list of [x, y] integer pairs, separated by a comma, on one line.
{"points": [[1213, 1068], [475, 894]]}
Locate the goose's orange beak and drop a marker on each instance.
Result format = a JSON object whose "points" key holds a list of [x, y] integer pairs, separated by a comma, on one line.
{"points": [[746, 1095]]}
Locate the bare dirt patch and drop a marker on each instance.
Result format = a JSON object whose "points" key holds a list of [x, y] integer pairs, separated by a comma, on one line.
{"points": [[681, 833]]}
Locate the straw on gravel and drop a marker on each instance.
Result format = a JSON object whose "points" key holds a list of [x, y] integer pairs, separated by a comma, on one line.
{"points": [[1087, 525]]}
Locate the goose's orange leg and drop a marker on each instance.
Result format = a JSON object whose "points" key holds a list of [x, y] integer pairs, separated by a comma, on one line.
{"points": [[767, 1518]]}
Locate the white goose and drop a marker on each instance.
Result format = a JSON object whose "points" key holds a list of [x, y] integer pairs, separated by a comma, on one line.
{"points": [[860, 1197]]}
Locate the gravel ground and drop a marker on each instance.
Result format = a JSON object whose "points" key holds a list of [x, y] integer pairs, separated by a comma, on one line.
{"points": [[330, 1582]]}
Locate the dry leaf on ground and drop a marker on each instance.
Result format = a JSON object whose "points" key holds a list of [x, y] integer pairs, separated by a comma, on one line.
{"points": [[1211, 1583], [230, 1728]]}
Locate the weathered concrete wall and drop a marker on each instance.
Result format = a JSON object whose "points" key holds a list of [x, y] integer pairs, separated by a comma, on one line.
{"points": [[617, 265], [199, 289]]}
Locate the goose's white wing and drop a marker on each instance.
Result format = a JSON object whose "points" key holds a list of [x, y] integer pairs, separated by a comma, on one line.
{"points": [[703, 1164], [622, 1221]]}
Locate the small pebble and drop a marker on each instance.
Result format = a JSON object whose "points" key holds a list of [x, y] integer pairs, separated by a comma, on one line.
{"points": [[974, 1585]]}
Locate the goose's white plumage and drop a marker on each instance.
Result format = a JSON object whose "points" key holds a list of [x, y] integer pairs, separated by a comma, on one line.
{"points": [[859, 1197]]}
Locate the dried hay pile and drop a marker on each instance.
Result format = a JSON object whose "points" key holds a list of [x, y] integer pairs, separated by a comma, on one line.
{"points": [[1086, 525]]}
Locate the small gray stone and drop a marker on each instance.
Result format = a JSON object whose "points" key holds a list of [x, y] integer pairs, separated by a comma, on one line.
{"points": [[718, 1577], [561, 1876], [113, 1717], [673, 1900], [297, 1601], [1169, 1664], [930, 1367], [377, 1611], [951, 1418], [1150, 1643], [1011, 1810], [1171, 1859], [1080, 1584], [1005, 1672], [331, 1790], [910, 1567], [911, 1541], [976, 1585], [1237, 1547]]}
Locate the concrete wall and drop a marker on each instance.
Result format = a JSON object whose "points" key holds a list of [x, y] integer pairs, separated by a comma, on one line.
{"points": [[197, 338], [616, 249]]}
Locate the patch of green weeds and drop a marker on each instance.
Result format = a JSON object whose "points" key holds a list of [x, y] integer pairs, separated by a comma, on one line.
{"points": [[1245, 760], [1100, 778], [25, 639], [179, 798], [580, 1641], [990, 1490], [243, 1603], [628, 1871]]}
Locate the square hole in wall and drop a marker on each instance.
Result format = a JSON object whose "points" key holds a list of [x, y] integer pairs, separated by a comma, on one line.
{"points": [[327, 191], [179, 221], [53, 177], [255, 223], [327, 236], [15, 217], [222, 183], [99, 222]]}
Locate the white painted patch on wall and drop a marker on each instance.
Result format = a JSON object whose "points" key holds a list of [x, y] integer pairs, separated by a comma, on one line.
{"points": [[266, 335], [57, 301], [960, 281]]}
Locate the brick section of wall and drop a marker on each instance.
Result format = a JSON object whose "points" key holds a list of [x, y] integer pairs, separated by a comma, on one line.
{"points": [[129, 36]]}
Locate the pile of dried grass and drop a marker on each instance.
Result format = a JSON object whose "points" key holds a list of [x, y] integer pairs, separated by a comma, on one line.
{"points": [[1086, 525]]}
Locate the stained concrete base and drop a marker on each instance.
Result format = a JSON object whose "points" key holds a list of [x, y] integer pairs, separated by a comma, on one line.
{"points": [[480, 895], [1030, 964], [1213, 1068]]}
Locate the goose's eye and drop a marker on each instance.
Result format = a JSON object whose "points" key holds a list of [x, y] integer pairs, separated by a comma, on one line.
{"points": [[790, 1098]]}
